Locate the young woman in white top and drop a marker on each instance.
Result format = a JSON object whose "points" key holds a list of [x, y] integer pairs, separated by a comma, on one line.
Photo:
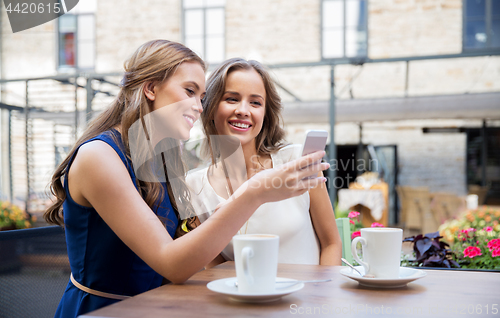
{"points": [[242, 102]]}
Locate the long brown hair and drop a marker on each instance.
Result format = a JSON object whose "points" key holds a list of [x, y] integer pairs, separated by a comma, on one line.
{"points": [[152, 63], [270, 138]]}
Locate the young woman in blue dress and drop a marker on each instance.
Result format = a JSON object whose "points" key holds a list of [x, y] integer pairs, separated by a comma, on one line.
{"points": [[120, 230]]}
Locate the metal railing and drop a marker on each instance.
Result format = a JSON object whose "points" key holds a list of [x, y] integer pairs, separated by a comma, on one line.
{"points": [[45, 116]]}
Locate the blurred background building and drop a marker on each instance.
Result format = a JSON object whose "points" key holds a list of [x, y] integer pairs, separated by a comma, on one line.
{"points": [[416, 82]]}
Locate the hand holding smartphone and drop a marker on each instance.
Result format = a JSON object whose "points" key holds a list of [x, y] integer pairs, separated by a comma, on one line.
{"points": [[315, 141]]}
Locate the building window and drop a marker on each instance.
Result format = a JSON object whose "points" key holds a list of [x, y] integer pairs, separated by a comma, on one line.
{"points": [[481, 24], [204, 28], [344, 28], [76, 37]]}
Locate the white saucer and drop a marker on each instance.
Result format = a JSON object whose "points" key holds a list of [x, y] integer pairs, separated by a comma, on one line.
{"points": [[406, 275], [226, 286]]}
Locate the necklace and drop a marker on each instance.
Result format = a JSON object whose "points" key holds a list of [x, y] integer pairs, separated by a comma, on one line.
{"points": [[229, 190]]}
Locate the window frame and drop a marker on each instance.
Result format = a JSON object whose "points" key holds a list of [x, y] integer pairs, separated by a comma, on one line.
{"points": [[204, 9], [489, 28], [63, 68], [321, 31]]}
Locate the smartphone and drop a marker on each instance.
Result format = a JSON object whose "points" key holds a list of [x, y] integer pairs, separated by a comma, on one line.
{"points": [[315, 141]]}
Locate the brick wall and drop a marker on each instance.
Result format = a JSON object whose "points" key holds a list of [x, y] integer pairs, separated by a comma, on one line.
{"points": [[414, 27], [273, 31], [30, 53], [122, 26]]}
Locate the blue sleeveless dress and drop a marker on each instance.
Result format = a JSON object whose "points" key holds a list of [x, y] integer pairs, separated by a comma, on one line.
{"points": [[98, 258]]}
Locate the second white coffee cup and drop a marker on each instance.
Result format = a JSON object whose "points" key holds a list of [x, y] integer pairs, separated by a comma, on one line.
{"points": [[256, 260], [381, 251]]}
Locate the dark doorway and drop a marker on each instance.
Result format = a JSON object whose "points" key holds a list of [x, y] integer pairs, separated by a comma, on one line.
{"points": [[476, 151], [346, 165], [354, 160]]}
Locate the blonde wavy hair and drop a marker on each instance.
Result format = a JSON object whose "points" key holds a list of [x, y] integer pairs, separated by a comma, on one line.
{"points": [[151, 64]]}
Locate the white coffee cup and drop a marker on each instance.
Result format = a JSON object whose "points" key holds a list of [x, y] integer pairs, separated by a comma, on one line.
{"points": [[381, 248], [256, 259]]}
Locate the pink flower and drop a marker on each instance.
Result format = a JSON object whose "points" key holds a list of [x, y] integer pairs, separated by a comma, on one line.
{"points": [[355, 234], [494, 244], [495, 252], [488, 229], [352, 222], [353, 214], [467, 231], [472, 251], [375, 224]]}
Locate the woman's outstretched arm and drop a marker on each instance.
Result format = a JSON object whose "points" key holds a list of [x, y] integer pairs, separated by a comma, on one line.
{"points": [[98, 178], [324, 223]]}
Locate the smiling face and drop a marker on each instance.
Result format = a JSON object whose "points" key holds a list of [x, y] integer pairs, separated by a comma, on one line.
{"points": [[241, 111], [177, 101]]}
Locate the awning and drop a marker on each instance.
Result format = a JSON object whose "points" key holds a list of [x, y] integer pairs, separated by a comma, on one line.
{"points": [[464, 106]]}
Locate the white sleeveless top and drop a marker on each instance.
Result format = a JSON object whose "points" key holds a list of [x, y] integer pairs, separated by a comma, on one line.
{"points": [[289, 219]]}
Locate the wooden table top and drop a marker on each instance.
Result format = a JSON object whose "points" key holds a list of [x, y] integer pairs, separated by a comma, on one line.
{"points": [[440, 294]]}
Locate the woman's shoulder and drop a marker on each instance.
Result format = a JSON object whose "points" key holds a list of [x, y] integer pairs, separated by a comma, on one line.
{"points": [[97, 152], [102, 149], [96, 166]]}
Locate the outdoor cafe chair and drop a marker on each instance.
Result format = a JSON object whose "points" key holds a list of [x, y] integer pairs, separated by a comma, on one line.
{"points": [[416, 214], [344, 228], [446, 206]]}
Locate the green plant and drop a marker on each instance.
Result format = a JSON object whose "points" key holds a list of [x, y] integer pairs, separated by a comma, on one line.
{"points": [[478, 249], [406, 260], [340, 213], [430, 251], [11, 216], [474, 238]]}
